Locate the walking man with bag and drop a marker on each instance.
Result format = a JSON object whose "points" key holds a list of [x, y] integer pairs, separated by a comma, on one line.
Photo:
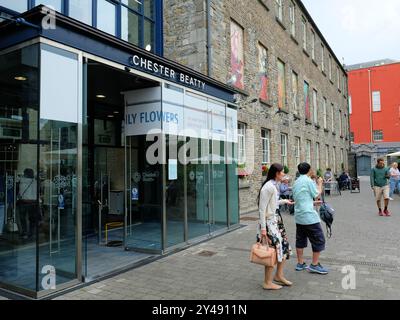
{"points": [[308, 222]]}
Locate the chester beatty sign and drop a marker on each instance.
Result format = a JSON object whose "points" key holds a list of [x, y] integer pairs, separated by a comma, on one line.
{"points": [[158, 69]]}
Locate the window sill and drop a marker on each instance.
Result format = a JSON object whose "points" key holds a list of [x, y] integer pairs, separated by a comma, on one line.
{"points": [[315, 62], [331, 81], [280, 23], [294, 39], [285, 111], [323, 72], [317, 127], [326, 130], [243, 92], [308, 122], [334, 133], [265, 102], [296, 117], [264, 4], [306, 53]]}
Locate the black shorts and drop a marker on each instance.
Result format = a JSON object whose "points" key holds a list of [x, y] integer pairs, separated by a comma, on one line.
{"points": [[314, 233]]}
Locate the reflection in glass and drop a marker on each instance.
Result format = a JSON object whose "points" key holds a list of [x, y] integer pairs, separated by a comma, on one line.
{"points": [[149, 8], [19, 215], [16, 5], [130, 26], [81, 10], [55, 4], [148, 35], [106, 16]]}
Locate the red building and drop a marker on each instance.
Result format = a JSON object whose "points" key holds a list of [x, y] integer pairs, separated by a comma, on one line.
{"points": [[374, 98]]}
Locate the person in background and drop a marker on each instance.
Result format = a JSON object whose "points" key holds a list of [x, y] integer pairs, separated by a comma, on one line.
{"points": [[284, 188], [344, 181], [394, 179], [328, 178], [379, 184]]}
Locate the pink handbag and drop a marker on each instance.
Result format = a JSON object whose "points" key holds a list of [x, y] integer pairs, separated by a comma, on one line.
{"points": [[263, 254]]}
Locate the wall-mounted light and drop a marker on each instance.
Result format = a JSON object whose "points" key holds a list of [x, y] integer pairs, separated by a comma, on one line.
{"points": [[148, 47], [100, 96], [110, 116], [20, 78]]}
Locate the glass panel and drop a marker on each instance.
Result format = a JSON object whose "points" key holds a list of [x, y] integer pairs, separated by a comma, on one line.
{"points": [[175, 193], [148, 42], [16, 5], [131, 26], [81, 10], [144, 197], [233, 187], [198, 191], [218, 187], [19, 214], [133, 4], [106, 16], [149, 8], [55, 4]]}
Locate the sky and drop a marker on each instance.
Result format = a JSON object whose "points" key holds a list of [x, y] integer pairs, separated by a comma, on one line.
{"points": [[359, 30]]}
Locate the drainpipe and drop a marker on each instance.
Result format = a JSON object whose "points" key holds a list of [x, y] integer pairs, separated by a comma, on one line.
{"points": [[370, 106], [209, 53]]}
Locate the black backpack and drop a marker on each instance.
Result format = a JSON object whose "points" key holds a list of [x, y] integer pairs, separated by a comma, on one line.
{"points": [[327, 214]]}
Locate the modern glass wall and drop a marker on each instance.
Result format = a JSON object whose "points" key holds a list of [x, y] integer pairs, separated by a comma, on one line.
{"points": [[38, 168]]}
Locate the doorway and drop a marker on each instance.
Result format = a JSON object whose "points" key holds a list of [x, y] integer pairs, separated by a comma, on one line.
{"points": [[105, 220]]}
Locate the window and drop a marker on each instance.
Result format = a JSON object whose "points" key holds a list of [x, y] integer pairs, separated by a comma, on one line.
{"points": [[352, 137], [279, 9], [330, 67], [297, 150], [342, 166], [317, 156], [338, 78], [378, 135], [315, 106], [237, 56], [81, 10], [281, 85], [263, 71], [18, 6], [131, 26], [266, 146], [327, 157], [376, 101], [284, 149], [55, 4], [334, 164], [313, 44], [292, 16], [322, 58], [325, 114], [340, 123], [307, 101], [350, 106], [308, 152], [242, 143], [333, 117], [106, 16], [295, 92], [304, 27]]}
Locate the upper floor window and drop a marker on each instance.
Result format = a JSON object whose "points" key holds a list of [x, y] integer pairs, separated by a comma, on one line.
{"points": [[284, 149], [323, 58], [14, 5], [378, 135], [55, 4], [330, 67], [281, 85], [338, 78], [304, 27], [242, 143], [325, 114], [107, 16], [315, 106], [350, 106], [376, 101], [81, 10], [237, 56], [292, 14], [266, 146], [313, 40], [279, 9], [295, 92]]}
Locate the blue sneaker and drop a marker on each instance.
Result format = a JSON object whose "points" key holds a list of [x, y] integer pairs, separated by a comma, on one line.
{"points": [[302, 267], [318, 269]]}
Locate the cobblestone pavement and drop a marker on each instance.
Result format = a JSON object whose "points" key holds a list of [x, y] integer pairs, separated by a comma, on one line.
{"points": [[361, 239]]}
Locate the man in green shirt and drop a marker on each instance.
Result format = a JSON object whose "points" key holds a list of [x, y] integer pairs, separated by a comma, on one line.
{"points": [[379, 183]]}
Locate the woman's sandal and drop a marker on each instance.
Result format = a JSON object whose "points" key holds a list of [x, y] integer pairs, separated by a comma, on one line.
{"points": [[285, 283], [274, 288]]}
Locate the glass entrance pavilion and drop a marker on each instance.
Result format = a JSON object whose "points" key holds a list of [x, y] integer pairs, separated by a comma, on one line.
{"points": [[110, 156]]}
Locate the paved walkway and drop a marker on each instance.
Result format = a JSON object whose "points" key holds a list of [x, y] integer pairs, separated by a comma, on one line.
{"points": [[362, 240], [220, 269]]}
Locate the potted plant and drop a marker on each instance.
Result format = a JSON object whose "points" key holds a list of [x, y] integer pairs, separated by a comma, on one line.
{"points": [[265, 170], [286, 169]]}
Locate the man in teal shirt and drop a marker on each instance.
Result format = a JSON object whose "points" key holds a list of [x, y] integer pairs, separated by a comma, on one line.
{"points": [[380, 184], [308, 222]]}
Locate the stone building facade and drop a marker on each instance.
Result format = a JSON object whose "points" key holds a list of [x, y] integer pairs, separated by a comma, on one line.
{"points": [[286, 59]]}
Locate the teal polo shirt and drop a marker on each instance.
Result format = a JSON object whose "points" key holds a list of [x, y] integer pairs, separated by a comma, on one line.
{"points": [[304, 192]]}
